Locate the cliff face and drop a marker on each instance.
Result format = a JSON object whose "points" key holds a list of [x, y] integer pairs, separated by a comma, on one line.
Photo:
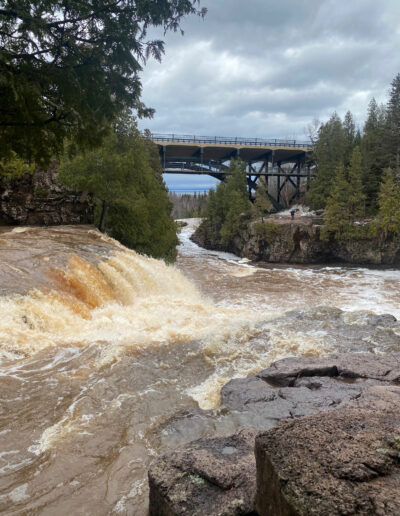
{"points": [[298, 241], [39, 199]]}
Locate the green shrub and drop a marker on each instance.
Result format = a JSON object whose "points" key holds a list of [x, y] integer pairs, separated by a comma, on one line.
{"points": [[267, 230]]}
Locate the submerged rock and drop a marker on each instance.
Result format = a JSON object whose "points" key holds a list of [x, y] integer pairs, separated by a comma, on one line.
{"points": [[213, 477]]}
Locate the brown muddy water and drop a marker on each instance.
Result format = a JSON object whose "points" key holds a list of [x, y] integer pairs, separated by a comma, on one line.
{"points": [[100, 348]]}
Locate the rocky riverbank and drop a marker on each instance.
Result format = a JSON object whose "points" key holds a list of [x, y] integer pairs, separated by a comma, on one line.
{"points": [[330, 445], [39, 199], [282, 240]]}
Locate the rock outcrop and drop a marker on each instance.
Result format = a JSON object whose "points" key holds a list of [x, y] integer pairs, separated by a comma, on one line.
{"points": [[208, 477], [339, 462], [40, 200], [296, 387], [299, 242], [336, 402]]}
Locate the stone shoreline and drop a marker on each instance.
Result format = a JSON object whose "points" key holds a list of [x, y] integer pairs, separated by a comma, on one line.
{"points": [[330, 444], [299, 242]]}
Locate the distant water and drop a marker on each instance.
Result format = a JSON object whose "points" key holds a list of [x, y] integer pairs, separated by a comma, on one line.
{"points": [[179, 183], [189, 190]]}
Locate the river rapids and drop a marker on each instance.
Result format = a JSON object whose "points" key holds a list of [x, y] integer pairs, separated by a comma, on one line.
{"points": [[109, 358]]}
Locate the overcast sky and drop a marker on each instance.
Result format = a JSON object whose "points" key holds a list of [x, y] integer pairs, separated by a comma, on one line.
{"points": [[263, 68]]}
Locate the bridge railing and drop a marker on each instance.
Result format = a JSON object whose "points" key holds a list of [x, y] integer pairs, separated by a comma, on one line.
{"points": [[228, 140]]}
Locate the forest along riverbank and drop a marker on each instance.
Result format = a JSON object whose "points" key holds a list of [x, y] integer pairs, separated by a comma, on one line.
{"points": [[107, 355]]}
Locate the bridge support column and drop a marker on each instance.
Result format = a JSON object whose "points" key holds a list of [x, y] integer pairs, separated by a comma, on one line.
{"points": [[298, 184], [278, 186]]}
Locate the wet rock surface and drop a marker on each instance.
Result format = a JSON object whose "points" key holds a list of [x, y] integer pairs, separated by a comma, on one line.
{"points": [[296, 387], [208, 477], [348, 393], [339, 462]]}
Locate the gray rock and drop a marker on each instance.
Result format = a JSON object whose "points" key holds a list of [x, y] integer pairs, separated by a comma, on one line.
{"points": [[198, 479], [296, 387], [385, 368], [40, 199], [383, 320], [299, 241], [213, 477], [339, 462]]}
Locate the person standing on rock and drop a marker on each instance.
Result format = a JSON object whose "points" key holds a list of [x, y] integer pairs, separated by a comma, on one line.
{"points": [[292, 213]]}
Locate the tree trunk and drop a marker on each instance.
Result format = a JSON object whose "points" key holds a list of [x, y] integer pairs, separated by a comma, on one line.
{"points": [[103, 216]]}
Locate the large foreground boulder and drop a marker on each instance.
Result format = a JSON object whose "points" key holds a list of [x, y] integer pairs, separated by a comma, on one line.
{"points": [[339, 432], [213, 477], [335, 463]]}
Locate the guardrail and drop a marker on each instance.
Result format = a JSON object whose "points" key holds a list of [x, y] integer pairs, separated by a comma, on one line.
{"points": [[223, 140]]}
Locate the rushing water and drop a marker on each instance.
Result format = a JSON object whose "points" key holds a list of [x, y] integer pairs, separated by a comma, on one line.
{"points": [[101, 347]]}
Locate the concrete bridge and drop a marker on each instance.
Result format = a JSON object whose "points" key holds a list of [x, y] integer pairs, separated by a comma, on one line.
{"points": [[283, 163]]}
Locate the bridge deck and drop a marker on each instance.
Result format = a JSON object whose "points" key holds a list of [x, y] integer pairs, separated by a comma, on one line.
{"points": [[225, 148]]}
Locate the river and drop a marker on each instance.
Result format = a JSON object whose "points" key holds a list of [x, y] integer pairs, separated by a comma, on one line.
{"points": [[109, 358]]}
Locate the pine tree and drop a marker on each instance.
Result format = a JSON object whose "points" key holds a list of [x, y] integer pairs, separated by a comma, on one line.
{"points": [[329, 153], [237, 201], [225, 207], [262, 204], [336, 213], [392, 130], [356, 200], [388, 218], [373, 155], [349, 130], [346, 204], [68, 69], [133, 204]]}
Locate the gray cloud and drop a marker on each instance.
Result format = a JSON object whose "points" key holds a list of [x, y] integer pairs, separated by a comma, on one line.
{"points": [[266, 69]]}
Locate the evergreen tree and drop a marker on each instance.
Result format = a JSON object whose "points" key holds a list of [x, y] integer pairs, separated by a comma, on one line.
{"points": [[328, 154], [373, 155], [226, 205], [262, 204], [349, 130], [345, 206], [388, 218], [215, 213], [356, 200], [392, 130], [336, 215], [69, 68], [237, 201], [133, 204]]}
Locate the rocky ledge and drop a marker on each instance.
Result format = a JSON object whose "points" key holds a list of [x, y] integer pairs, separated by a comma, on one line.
{"points": [[330, 445], [39, 199], [281, 240]]}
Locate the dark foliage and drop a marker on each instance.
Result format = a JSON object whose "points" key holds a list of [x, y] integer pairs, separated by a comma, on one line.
{"points": [[69, 68]]}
